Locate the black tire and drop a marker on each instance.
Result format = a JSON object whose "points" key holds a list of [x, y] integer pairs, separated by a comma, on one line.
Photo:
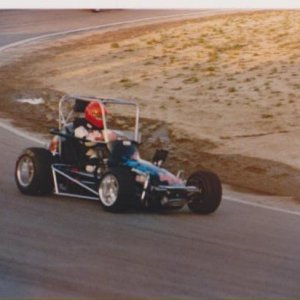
{"points": [[209, 199], [122, 193], [37, 180]]}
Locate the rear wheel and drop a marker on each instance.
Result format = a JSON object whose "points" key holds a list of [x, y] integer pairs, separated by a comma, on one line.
{"points": [[210, 192], [117, 190], [33, 172]]}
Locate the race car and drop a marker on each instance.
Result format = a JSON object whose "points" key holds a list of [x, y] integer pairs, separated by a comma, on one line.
{"points": [[121, 179]]}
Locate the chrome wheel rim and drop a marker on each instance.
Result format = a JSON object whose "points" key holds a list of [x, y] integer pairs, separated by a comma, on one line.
{"points": [[25, 171], [108, 190]]}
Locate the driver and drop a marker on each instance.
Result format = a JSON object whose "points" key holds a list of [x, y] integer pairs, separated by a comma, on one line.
{"points": [[90, 128]]}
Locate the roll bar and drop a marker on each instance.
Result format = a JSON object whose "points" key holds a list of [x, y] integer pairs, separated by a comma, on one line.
{"points": [[64, 118]]}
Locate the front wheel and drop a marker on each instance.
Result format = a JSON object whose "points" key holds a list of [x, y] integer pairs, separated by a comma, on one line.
{"points": [[117, 190], [208, 199], [33, 172]]}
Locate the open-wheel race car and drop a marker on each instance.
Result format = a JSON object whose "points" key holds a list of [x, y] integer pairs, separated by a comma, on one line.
{"points": [[120, 179]]}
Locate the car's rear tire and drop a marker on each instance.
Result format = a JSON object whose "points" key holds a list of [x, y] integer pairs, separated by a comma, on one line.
{"points": [[33, 172], [117, 190], [210, 195]]}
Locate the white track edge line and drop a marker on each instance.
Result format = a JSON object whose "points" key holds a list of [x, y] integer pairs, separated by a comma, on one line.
{"points": [[22, 134], [45, 36], [255, 204]]}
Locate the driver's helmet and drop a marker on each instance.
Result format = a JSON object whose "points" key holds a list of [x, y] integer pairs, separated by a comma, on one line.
{"points": [[93, 114]]}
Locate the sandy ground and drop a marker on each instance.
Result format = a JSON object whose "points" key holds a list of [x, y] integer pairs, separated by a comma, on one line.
{"points": [[220, 93]]}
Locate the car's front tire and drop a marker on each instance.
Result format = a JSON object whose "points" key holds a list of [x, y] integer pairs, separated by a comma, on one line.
{"points": [[117, 190], [210, 192], [33, 172]]}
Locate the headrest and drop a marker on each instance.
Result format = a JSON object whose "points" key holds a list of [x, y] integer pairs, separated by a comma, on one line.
{"points": [[80, 105]]}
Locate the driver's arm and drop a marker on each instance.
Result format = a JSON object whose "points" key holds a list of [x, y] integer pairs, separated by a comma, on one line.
{"points": [[109, 135], [93, 136], [81, 132]]}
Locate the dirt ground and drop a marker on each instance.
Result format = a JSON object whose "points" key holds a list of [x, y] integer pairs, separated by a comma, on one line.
{"points": [[220, 93]]}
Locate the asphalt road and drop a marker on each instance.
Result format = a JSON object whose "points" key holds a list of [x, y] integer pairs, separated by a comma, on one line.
{"points": [[54, 246], [65, 247], [16, 25]]}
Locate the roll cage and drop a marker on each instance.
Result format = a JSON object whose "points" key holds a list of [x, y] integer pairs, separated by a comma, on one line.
{"points": [[70, 148], [70, 105]]}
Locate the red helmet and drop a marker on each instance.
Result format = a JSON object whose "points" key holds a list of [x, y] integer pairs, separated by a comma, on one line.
{"points": [[93, 114]]}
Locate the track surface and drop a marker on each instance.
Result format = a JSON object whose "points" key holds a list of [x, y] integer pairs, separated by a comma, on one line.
{"points": [[16, 25], [66, 247]]}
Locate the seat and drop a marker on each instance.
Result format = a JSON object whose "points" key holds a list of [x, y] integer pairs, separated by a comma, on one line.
{"points": [[72, 149]]}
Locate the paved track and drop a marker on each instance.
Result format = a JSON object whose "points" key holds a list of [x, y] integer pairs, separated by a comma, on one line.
{"points": [[53, 246], [16, 25]]}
